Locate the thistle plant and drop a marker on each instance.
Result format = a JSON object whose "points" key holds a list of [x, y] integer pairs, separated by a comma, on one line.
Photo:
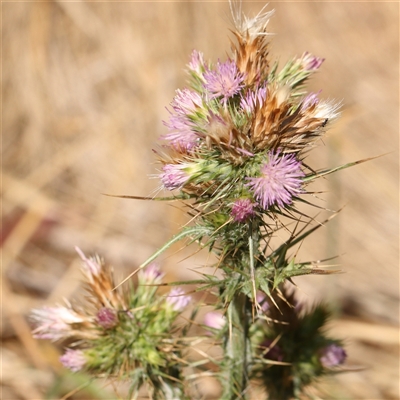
{"points": [[234, 154]]}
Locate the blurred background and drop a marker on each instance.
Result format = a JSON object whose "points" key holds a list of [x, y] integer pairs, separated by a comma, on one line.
{"points": [[85, 89]]}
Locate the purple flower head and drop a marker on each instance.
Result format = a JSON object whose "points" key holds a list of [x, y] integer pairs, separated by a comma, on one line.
{"points": [[173, 176], [196, 63], [214, 320], [249, 102], [225, 81], [310, 62], [242, 209], [54, 323], [73, 360], [151, 275], [280, 180], [332, 355], [107, 318], [177, 299], [181, 133], [274, 353], [186, 102]]}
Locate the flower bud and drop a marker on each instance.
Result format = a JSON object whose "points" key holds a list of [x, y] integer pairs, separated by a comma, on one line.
{"points": [[332, 356], [214, 320], [177, 299], [151, 275], [107, 318], [242, 210]]}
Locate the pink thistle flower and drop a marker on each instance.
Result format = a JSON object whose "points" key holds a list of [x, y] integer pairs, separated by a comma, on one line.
{"points": [[249, 102], [196, 63], [186, 102], [214, 320], [225, 81], [181, 126], [242, 209], [310, 62], [151, 275], [173, 176], [73, 360], [177, 299], [333, 355], [181, 132], [107, 317], [54, 323], [280, 180]]}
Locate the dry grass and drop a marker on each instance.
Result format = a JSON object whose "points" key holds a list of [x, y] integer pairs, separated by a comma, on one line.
{"points": [[85, 87]]}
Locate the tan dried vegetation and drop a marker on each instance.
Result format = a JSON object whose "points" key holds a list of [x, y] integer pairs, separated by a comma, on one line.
{"points": [[85, 87]]}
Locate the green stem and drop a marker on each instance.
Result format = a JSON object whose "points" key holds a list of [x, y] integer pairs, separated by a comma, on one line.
{"points": [[236, 350], [237, 346]]}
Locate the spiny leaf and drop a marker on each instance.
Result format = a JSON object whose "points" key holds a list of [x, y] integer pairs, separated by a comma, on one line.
{"points": [[340, 167]]}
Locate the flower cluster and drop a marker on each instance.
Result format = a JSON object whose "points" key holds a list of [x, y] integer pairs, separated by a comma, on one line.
{"points": [[235, 148], [119, 330], [237, 136]]}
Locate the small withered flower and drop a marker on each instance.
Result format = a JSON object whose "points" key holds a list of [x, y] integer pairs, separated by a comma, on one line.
{"points": [[101, 282]]}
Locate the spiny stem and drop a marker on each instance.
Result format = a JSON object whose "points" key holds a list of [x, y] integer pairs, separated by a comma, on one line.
{"points": [[236, 365]]}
